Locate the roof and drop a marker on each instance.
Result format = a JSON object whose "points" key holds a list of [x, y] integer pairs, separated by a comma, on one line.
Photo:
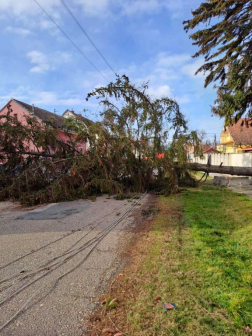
{"points": [[42, 114], [241, 132], [247, 149], [86, 121], [207, 148], [210, 150]]}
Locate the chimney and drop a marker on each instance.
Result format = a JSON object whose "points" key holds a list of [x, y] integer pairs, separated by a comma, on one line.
{"points": [[33, 109]]}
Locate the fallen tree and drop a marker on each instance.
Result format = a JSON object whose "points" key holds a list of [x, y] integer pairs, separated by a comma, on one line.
{"points": [[240, 171], [123, 152]]}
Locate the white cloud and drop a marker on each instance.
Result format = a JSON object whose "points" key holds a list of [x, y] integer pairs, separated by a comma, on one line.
{"points": [[71, 101], [17, 8], [166, 74], [29, 8], [174, 60], [19, 93], [125, 7], [184, 99], [36, 57], [45, 63], [46, 24], [39, 68], [138, 6], [169, 74], [95, 7], [62, 57], [40, 61], [160, 70], [190, 69], [45, 98], [54, 98], [131, 69], [86, 83], [18, 31], [130, 7], [67, 99], [160, 91]]}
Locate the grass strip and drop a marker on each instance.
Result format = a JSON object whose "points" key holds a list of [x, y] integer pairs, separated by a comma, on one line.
{"points": [[199, 257]]}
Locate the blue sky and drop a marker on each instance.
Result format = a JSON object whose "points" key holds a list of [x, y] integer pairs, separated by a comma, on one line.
{"points": [[143, 39]]}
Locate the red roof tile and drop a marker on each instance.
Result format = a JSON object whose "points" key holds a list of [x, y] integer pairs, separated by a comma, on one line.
{"points": [[241, 132]]}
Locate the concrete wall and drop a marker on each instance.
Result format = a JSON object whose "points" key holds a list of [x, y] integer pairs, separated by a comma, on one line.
{"points": [[235, 160]]}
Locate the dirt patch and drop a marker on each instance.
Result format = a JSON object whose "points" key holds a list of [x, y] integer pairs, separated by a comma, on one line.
{"points": [[112, 313], [7, 206]]}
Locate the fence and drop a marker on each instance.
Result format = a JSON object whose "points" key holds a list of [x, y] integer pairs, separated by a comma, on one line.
{"points": [[216, 159]]}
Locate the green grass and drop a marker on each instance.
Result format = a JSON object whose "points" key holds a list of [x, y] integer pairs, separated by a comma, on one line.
{"points": [[199, 256], [197, 175], [221, 227]]}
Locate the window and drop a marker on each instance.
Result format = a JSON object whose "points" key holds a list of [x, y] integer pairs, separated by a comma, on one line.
{"points": [[15, 115]]}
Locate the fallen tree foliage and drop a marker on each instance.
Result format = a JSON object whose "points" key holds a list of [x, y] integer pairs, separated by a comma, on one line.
{"points": [[122, 154]]}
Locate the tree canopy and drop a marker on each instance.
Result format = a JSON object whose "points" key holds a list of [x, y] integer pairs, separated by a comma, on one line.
{"points": [[226, 45], [122, 157]]}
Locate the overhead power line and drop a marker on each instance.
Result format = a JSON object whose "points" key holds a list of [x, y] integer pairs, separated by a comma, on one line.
{"points": [[62, 31], [86, 34]]}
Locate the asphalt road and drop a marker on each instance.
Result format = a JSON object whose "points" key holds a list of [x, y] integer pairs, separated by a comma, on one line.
{"points": [[56, 287]]}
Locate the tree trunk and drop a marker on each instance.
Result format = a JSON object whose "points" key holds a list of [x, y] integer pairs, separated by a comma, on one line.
{"points": [[240, 171]]}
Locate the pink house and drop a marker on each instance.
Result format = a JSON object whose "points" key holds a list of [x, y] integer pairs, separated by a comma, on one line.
{"points": [[21, 110]]}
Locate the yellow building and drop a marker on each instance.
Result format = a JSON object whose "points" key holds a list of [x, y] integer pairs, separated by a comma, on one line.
{"points": [[236, 138]]}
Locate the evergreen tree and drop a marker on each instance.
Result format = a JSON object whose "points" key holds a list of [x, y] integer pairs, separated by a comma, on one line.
{"points": [[124, 150], [227, 48]]}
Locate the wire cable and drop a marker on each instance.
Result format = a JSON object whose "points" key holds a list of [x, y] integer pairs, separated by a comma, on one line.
{"points": [[43, 265], [54, 241], [62, 31], [69, 253], [86, 34], [55, 281]]}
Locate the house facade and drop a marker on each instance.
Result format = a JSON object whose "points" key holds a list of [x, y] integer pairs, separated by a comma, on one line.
{"points": [[21, 111], [236, 138], [84, 121]]}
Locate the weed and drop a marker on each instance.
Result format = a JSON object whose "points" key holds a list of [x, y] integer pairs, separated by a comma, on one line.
{"points": [[110, 303]]}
